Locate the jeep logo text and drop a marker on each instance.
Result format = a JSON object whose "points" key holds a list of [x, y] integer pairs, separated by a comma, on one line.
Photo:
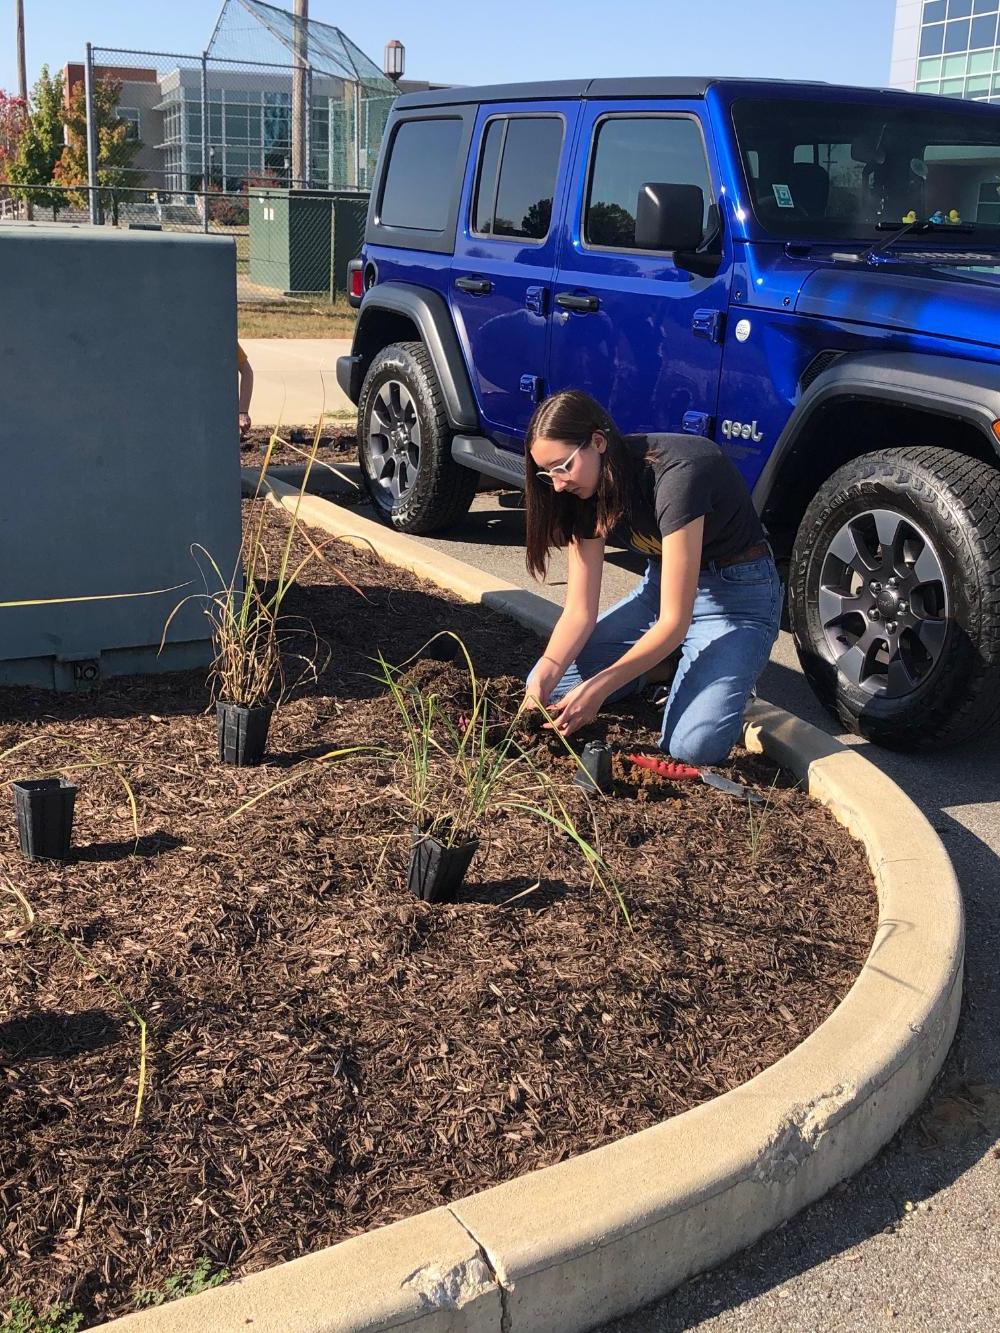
{"points": [[742, 430]]}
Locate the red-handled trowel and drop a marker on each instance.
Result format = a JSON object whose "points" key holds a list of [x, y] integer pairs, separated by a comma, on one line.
{"points": [[677, 772]]}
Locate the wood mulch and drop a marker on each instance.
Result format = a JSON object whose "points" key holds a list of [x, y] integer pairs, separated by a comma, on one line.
{"points": [[337, 444], [326, 1053]]}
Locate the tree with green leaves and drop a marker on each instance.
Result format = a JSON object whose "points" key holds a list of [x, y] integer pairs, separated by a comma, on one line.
{"points": [[115, 150], [40, 145]]}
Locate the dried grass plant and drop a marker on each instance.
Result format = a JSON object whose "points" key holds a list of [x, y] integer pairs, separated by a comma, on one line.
{"points": [[260, 652]]}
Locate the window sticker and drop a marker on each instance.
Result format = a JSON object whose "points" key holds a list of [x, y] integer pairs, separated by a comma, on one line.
{"points": [[783, 196]]}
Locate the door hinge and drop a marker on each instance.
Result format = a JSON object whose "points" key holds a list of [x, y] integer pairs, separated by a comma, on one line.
{"points": [[709, 324], [698, 423], [533, 386]]}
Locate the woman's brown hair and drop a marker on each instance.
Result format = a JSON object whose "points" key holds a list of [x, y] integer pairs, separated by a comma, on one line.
{"points": [[554, 518]]}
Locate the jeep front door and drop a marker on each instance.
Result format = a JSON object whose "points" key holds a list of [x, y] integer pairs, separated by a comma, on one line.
{"points": [[635, 327], [505, 251]]}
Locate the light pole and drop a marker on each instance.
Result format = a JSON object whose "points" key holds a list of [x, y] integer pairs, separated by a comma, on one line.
{"points": [[300, 96], [394, 61], [22, 80]]}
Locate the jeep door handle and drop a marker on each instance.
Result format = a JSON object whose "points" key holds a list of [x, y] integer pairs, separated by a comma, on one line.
{"points": [[584, 304], [474, 286]]}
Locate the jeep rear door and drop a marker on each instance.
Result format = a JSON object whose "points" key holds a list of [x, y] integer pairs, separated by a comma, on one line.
{"points": [[633, 328], [505, 254]]}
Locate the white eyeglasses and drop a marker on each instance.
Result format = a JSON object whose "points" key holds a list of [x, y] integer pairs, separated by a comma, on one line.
{"points": [[548, 475]]}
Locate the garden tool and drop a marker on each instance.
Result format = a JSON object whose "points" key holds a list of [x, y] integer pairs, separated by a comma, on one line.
{"points": [[674, 771]]}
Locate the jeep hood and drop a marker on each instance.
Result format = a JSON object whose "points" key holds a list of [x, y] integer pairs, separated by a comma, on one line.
{"points": [[943, 302]]}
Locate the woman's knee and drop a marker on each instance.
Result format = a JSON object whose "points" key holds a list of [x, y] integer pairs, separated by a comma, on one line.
{"points": [[701, 743]]}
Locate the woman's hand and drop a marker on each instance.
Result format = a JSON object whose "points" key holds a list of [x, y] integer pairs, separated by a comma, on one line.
{"points": [[579, 707], [542, 681]]}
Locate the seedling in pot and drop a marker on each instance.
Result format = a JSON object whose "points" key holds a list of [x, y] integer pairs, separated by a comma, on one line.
{"points": [[457, 774], [261, 653]]}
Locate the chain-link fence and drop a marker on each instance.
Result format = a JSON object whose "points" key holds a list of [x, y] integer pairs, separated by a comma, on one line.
{"points": [[270, 136]]}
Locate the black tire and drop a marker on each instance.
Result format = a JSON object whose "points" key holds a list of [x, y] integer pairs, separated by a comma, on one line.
{"points": [[414, 483], [935, 678]]}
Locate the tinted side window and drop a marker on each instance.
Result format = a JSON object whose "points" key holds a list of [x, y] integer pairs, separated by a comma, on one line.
{"points": [[422, 175], [628, 154], [529, 148], [486, 186]]}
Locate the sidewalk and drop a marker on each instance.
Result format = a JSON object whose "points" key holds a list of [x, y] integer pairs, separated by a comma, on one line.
{"points": [[295, 379]]}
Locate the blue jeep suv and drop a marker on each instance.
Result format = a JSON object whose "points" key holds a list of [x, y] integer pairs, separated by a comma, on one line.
{"points": [[808, 275]]}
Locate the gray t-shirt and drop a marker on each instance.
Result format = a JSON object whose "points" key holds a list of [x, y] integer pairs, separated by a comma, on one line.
{"points": [[679, 478]]}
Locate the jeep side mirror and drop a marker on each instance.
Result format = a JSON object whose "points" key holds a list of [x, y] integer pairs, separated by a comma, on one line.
{"points": [[669, 217]]}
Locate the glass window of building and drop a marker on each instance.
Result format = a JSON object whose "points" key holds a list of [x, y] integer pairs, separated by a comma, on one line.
{"points": [[958, 48], [129, 116]]}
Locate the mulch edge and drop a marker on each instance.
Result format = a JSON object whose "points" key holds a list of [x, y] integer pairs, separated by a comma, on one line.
{"points": [[560, 1244]]}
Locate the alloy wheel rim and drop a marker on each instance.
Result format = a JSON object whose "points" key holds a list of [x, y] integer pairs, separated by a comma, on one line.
{"points": [[394, 441], [883, 603]]}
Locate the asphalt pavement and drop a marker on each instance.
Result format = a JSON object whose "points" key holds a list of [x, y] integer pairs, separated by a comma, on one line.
{"points": [[913, 1241]]}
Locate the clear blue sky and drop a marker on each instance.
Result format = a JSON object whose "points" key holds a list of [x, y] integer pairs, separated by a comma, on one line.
{"points": [[466, 41]]}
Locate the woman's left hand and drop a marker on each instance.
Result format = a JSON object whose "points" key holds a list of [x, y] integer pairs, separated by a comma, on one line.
{"points": [[576, 709]]}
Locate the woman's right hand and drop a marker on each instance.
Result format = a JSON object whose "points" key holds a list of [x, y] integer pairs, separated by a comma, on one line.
{"points": [[542, 681]]}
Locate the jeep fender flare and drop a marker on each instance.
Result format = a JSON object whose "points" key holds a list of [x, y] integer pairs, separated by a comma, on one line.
{"points": [[428, 311], [939, 385]]}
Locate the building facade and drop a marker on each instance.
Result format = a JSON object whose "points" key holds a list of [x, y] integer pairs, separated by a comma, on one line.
{"points": [[949, 47]]}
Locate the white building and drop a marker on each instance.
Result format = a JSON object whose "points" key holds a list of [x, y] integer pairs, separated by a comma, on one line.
{"points": [[949, 47]]}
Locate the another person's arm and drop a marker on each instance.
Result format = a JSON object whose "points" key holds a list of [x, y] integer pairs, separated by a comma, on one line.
{"points": [[678, 585], [585, 559], [245, 371]]}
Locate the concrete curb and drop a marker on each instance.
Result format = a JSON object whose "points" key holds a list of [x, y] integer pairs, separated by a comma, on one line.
{"points": [[323, 480], [568, 1247], [471, 585]]}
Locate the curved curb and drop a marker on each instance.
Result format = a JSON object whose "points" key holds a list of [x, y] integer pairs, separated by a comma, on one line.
{"points": [[565, 1248]]}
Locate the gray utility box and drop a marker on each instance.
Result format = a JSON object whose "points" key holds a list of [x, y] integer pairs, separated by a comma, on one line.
{"points": [[118, 432]]}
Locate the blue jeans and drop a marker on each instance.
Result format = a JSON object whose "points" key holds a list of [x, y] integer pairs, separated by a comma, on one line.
{"points": [[737, 610]]}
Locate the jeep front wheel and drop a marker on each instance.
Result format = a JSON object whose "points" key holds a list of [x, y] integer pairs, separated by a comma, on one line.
{"points": [[894, 596], [404, 444]]}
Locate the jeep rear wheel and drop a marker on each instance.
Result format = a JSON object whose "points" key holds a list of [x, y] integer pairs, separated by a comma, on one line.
{"points": [[404, 444], [894, 596]]}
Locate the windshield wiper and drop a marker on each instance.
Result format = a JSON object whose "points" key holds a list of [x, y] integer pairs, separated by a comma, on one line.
{"points": [[917, 226]]}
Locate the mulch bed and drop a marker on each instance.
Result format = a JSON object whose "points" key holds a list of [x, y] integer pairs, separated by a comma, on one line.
{"points": [[337, 444], [326, 1053]]}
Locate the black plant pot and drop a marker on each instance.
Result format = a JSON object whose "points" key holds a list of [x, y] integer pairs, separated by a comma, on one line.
{"points": [[45, 818], [595, 775], [436, 872], [243, 733]]}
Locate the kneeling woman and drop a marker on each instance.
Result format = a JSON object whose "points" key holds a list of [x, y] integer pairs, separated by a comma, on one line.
{"points": [[711, 588]]}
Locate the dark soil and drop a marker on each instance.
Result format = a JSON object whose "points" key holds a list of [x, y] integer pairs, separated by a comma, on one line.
{"points": [[326, 1053], [337, 444]]}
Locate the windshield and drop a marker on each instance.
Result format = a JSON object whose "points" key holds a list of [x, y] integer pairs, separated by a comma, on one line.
{"points": [[840, 170]]}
